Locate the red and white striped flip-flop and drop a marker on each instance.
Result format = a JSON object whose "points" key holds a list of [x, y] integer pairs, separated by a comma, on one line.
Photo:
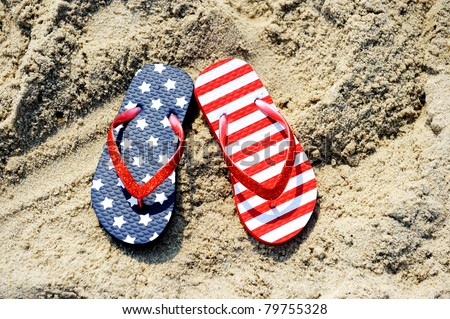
{"points": [[273, 182]]}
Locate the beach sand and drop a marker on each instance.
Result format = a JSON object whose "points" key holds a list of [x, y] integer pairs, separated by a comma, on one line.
{"points": [[364, 84]]}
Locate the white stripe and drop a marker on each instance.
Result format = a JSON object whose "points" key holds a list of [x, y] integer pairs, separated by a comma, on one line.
{"points": [[263, 154], [244, 122], [218, 72], [227, 88], [236, 105], [282, 209], [251, 139], [286, 229], [270, 172], [293, 183]]}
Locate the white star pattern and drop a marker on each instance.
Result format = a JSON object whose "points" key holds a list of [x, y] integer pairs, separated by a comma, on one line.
{"points": [[118, 128], [170, 85], [145, 219], [181, 101], [152, 141], [163, 159], [129, 239], [133, 201], [165, 122], [151, 92], [110, 164], [126, 143], [107, 203], [97, 184], [130, 105], [147, 178], [119, 221], [160, 197], [137, 161], [145, 87], [141, 124], [156, 104], [159, 68], [172, 177]]}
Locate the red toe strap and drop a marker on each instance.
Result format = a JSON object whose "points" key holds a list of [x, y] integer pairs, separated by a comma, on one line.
{"points": [[247, 180], [139, 191]]}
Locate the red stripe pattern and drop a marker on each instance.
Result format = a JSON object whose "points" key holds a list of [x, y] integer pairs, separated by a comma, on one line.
{"points": [[258, 145]]}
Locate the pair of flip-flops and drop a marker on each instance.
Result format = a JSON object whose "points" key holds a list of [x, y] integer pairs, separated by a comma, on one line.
{"points": [[133, 189]]}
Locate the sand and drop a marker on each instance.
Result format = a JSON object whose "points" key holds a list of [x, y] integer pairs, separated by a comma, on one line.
{"points": [[364, 84]]}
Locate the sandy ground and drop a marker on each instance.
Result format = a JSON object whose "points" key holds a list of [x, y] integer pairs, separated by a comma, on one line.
{"points": [[365, 84]]}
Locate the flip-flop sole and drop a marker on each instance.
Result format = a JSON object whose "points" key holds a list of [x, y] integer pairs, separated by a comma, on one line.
{"points": [[258, 145], [146, 142]]}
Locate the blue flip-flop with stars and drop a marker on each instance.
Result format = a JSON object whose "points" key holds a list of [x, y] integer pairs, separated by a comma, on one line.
{"points": [[146, 143]]}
